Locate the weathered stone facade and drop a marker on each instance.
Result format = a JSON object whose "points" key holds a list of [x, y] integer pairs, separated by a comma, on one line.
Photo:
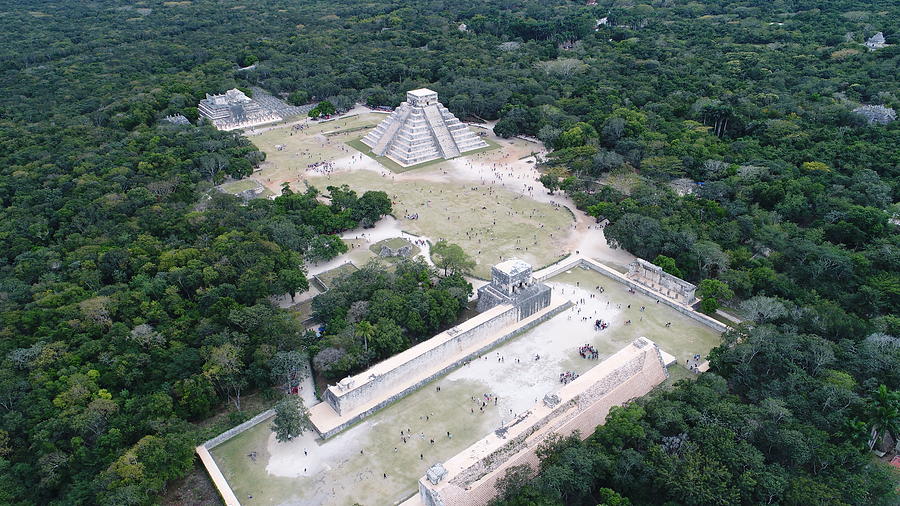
{"points": [[653, 276], [402, 251], [421, 130], [512, 282], [359, 396], [876, 114], [233, 110], [876, 41]]}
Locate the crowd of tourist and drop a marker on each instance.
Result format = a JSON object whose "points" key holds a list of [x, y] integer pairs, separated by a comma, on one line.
{"points": [[589, 352], [567, 377], [322, 167]]}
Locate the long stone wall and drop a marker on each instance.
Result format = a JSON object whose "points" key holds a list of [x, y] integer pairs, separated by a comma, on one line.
{"points": [[381, 377], [209, 462], [588, 263], [237, 429], [435, 355], [470, 478]]}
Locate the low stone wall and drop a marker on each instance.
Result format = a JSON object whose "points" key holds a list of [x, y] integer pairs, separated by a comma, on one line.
{"points": [[444, 370], [209, 462], [395, 370], [217, 477], [237, 429], [617, 276]]}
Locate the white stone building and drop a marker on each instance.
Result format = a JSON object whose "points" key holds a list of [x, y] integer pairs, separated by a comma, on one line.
{"points": [[421, 130], [233, 110]]}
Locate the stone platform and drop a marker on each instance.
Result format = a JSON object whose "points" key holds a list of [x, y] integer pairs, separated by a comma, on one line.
{"points": [[392, 379]]}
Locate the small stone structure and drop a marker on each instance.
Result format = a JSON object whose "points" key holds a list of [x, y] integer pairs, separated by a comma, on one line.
{"points": [[653, 276], [177, 119], [421, 130], [512, 282], [876, 114], [234, 109], [470, 478], [876, 42], [395, 249]]}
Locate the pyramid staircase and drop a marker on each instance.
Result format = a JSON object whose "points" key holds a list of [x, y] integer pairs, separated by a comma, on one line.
{"points": [[421, 130]]}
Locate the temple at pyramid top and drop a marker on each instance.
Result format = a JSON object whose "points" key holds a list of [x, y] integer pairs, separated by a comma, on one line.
{"points": [[421, 130]]}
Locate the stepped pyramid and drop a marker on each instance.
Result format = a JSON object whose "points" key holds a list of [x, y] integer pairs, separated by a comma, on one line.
{"points": [[421, 130]]}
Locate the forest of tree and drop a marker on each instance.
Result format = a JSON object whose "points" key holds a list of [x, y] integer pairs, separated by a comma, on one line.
{"points": [[133, 297]]}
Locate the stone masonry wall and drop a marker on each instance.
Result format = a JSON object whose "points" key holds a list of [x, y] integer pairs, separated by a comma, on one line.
{"points": [[617, 276], [477, 485], [463, 359], [362, 394], [237, 429]]}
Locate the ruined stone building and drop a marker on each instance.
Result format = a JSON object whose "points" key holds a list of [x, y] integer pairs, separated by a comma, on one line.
{"points": [[233, 110], [512, 282], [876, 42], [421, 130], [653, 277]]}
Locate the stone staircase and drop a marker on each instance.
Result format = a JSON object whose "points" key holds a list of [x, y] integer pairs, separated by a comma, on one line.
{"points": [[384, 142], [441, 134]]}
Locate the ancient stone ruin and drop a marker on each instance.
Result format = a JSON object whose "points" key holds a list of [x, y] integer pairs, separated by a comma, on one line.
{"points": [[395, 248], [177, 119], [876, 114], [513, 283], [653, 277], [876, 42], [234, 109], [471, 478], [421, 130]]}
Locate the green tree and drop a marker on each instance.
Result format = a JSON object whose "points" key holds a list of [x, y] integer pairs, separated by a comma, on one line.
{"points": [[713, 288], [292, 281], [668, 265], [291, 419], [452, 258], [550, 182], [299, 97], [884, 414], [224, 369], [289, 368]]}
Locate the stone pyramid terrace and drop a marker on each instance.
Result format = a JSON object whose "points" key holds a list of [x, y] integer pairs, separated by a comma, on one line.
{"points": [[421, 130]]}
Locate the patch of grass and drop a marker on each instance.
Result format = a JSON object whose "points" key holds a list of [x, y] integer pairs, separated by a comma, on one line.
{"points": [[327, 278], [347, 130], [236, 187], [489, 226]]}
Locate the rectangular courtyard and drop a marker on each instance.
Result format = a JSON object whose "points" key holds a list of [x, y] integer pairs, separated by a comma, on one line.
{"points": [[379, 460]]}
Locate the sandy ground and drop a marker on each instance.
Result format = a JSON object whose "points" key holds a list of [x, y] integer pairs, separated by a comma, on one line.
{"points": [[335, 472]]}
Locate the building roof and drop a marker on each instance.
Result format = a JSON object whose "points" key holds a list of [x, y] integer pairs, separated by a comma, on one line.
{"points": [[513, 266], [421, 92]]}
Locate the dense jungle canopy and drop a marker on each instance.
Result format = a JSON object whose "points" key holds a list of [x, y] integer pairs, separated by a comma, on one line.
{"points": [[133, 297]]}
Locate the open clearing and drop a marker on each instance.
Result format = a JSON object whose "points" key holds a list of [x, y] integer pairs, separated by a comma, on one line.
{"points": [[335, 472], [491, 225], [490, 221]]}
